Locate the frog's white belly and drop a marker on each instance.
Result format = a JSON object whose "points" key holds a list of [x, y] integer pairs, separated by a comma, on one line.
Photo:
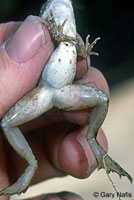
{"points": [[61, 67]]}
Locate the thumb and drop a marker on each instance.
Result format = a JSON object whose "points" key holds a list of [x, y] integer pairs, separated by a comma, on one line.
{"points": [[22, 58]]}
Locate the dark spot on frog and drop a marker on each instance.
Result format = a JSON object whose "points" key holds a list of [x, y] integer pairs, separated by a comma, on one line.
{"points": [[59, 60], [55, 72], [70, 61], [62, 90]]}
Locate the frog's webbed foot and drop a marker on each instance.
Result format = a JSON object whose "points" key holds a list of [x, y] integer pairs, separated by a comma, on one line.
{"points": [[57, 31], [105, 161], [86, 50], [112, 166]]}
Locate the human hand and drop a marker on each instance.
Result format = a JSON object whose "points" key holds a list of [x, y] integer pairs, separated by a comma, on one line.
{"points": [[52, 137]]}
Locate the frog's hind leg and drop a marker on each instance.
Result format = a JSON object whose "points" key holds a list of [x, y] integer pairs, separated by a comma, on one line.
{"points": [[76, 97], [17, 140], [31, 106]]}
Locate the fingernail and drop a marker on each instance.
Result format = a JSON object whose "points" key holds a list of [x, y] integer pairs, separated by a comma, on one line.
{"points": [[26, 41], [62, 196]]}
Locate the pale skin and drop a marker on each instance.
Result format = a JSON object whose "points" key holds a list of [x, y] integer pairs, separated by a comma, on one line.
{"points": [[67, 97]]}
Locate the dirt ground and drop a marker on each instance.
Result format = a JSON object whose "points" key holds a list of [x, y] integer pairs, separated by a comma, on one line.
{"points": [[119, 128]]}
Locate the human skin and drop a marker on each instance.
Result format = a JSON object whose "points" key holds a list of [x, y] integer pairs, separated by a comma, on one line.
{"points": [[19, 73]]}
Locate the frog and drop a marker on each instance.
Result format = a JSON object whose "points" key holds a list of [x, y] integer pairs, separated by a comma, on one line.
{"points": [[62, 93]]}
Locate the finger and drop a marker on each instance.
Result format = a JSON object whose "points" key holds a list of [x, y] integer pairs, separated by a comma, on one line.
{"points": [[17, 78], [82, 67], [6, 29], [4, 182], [58, 196], [75, 155], [95, 78], [22, 58]]}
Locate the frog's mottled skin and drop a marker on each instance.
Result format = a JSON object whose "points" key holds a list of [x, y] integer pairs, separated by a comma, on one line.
{"points": [[56, 89]]}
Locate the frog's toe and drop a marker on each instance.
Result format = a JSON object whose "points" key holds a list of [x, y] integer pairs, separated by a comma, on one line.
{"points": [[111, 166], [105, 161]]}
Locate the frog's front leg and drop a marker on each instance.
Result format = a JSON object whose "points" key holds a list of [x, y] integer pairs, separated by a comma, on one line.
{"points": [[76, 97], [29, 107], [57, 30]]}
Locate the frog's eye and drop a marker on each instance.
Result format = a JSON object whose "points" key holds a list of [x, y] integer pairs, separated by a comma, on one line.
{"points": [[67, 44]]}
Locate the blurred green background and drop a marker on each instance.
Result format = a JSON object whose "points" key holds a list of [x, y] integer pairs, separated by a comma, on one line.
{"points": [[112, 20]]}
